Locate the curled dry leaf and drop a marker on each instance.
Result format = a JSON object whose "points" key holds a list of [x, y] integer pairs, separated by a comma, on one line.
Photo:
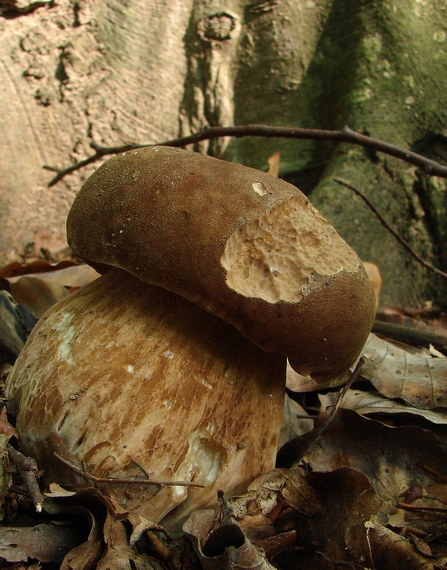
{"points": [[251, 521], [279, 486], [88, 509], [107, 544], [225, 548], [118, 554], [396, 461], [389, 550], [396, 373], [344, 534]]}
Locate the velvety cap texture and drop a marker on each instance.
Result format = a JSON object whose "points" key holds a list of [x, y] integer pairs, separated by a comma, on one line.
{"points": [[247, 247]]}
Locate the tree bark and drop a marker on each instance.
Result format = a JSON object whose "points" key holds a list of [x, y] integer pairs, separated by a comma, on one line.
{"points": [[145, 71]]}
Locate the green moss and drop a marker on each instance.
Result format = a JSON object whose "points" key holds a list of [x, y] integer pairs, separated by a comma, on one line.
{"points": [[381, 69]]}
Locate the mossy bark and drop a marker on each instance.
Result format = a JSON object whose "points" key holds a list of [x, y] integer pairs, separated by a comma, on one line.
{"points": [[381, 69]]}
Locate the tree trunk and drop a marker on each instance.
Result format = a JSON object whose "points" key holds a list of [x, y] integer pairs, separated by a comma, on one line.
{"points": [[145, 71]]}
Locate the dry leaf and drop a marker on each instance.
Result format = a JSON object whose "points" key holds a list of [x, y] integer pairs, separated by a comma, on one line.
{"points": [[393, 459], [225, 548], [296, 421], [44, 542], [273, 161], [389, 550], [72, 276], [375, 277], [371, 403], [16, 324], [36, 294], [396, 373], [338, 529], [5, 427]]}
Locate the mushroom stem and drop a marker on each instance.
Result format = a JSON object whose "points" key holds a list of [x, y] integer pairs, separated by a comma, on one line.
{"points": [[139, 382]]}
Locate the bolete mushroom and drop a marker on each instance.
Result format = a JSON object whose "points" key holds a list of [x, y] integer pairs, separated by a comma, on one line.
{"points": [[143, 373]]}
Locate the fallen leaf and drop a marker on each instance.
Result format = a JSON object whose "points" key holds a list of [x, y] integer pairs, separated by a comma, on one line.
{"points": [[45, 542], [369, 403], [16, 323], [396, 373], [36, 294], [225, 548], [273, 161], [375, 277]]}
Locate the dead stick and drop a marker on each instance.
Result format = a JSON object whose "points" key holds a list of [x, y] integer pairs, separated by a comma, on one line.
{"points": [[124, 480], [345, 135], [319, 432], [408, 507], [28, 469], [385, 224]]}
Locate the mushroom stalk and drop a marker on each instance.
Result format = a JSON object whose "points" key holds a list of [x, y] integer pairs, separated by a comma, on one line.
{"points": [[139, 382]]}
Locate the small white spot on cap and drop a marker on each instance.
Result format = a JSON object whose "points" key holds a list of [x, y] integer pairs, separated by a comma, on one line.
{"points": [[259, 188]]}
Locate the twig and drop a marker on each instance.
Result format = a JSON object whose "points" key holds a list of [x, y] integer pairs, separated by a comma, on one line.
{"points": [[319, 432], [28, 469], [408, 507], [411, 336], [99, 153], [346, 135], [133, 481], [385, 224]]}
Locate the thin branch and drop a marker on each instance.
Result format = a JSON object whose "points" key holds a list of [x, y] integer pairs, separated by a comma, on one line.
{"points": [[99, 153], [29, 471], [133, 481], [345, 135], [315, 436], [415, 337], [408, 507], [396, 236]]}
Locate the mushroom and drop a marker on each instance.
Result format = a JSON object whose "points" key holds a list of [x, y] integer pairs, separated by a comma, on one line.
{"points": [[171, 366]]}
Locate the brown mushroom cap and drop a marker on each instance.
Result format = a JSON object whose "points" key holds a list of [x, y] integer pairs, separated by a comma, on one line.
{"points": [[247, 247]]}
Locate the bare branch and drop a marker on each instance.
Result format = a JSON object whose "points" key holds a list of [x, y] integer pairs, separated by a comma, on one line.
{"points": [[29, 471], [318, 432], [345, 135], [396, 236], [133, 481]]}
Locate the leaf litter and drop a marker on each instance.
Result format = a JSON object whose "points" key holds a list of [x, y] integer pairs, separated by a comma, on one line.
{"points": [[361, 481]]}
